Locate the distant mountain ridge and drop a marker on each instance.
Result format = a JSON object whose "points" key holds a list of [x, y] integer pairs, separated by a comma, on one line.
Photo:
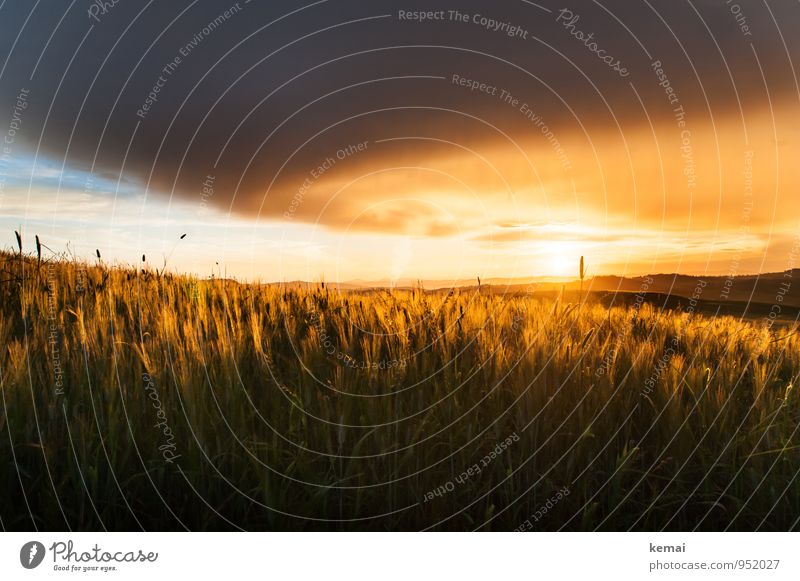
{"points": [[782, 288]]}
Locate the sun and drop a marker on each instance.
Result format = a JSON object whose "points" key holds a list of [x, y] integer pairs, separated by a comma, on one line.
{"points": [[560, 265], [558, 258]]}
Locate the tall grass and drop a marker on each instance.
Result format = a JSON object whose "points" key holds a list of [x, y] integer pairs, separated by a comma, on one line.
{"points": [[179, 403]]}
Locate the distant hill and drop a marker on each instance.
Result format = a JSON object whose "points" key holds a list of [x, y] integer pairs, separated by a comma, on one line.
{"points": [[782, 288], [752, 296], [764, 288]]}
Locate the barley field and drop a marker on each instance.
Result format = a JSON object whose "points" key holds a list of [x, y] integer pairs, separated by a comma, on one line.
{"points": [[137, 399]]}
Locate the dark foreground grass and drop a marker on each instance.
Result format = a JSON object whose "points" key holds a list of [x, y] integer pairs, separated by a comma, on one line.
{"points": [[135, 400]]}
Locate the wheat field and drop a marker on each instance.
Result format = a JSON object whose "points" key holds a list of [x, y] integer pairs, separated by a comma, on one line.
{"points": [[138, 399]]}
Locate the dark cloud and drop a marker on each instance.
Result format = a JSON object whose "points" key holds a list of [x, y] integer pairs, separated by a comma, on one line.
{"points": [[267, 92]]}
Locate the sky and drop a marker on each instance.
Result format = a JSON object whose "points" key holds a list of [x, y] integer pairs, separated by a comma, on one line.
{"points": [[374, 141]]}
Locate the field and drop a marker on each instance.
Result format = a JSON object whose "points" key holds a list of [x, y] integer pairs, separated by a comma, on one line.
{"points": [[134, 399]]}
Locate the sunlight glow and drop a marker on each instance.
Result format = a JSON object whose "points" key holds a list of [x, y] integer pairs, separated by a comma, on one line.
{"points": [[557, 258]]}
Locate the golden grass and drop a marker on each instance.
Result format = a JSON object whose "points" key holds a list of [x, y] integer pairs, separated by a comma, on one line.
{"points": [[314, 409]]}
